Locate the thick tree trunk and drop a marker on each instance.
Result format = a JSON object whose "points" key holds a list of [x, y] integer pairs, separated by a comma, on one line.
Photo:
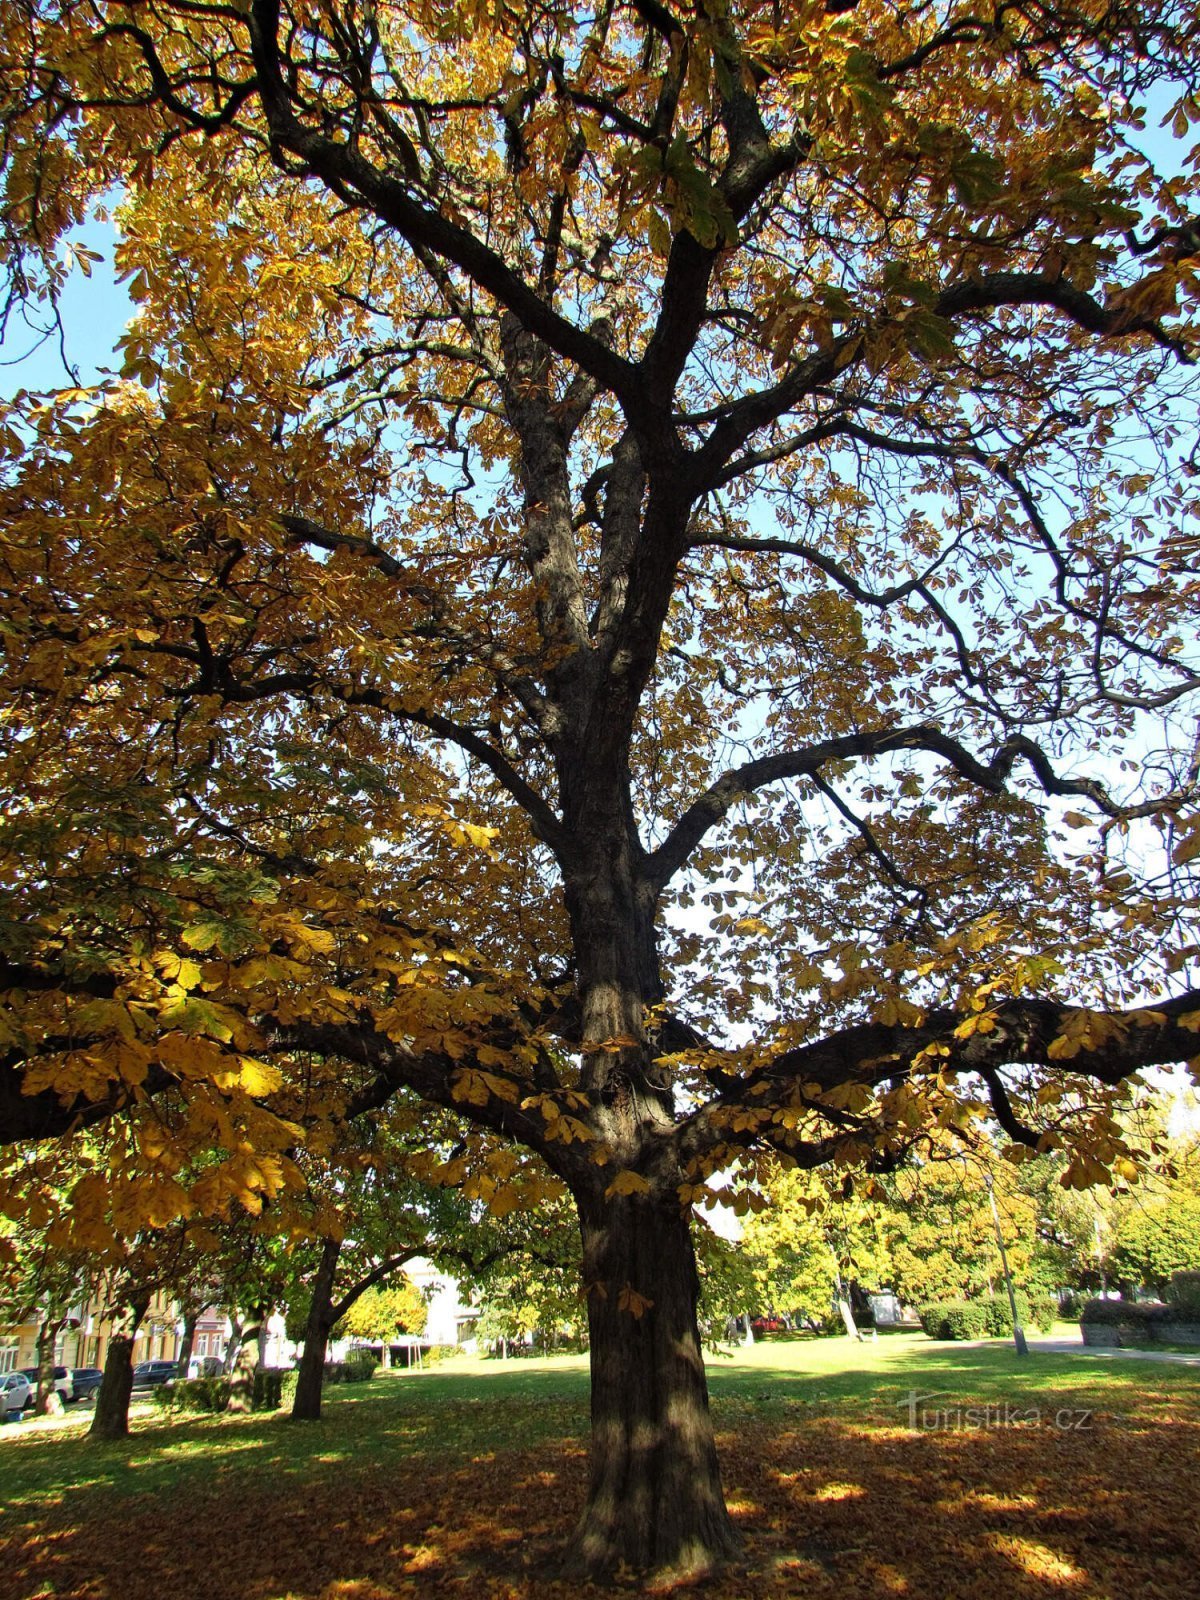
{"points": [[655, 1503], [654, 1500], [306, 1407], [111, 1419], [188, 1342], [241, 1389]]}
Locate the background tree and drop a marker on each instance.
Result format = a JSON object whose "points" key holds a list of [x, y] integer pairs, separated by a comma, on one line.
{"points": [[563, 466], [808, 1246], [941, 1234], [525, 1279], [1156, 1226], [380, 1313]]}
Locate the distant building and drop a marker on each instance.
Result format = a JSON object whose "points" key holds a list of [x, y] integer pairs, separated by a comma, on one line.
{"points": [[450, 1320], [83, 1339]]}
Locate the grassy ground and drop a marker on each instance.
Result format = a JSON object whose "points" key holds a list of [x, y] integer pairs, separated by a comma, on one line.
{"points": [[1055, 1476]]}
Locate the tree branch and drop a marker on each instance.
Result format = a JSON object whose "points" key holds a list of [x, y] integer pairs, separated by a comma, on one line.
{"points": [[735, 784], [1017, 1031]]}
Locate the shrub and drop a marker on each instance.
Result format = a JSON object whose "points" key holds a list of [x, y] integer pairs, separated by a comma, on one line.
{"points": [[956, 1319], [931, 1319], [267, 1393], [359, 1369], [999, 1316], [988, 1318], [438, 1352], [193, 1394], [1070, 1304], [1043, 1311], [1135, 1314], [1183, 1294], [967, 1319]]}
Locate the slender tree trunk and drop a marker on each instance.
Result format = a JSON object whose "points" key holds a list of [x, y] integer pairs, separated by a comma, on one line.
{"points": [[654, 1500], [111, 1419], [233, 1348], [49, 1401], [306, 1407], [188, 1342]]}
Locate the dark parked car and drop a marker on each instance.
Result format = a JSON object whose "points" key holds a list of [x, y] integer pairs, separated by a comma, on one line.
{"points": [[150, 1374], [87, 1382]]}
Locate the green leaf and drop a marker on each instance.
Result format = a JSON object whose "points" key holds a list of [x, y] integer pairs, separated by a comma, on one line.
{"points": [[978, 177], [869, 93]]}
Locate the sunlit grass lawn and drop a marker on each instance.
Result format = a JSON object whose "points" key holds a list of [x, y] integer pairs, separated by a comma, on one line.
{"points": [[440, 1455], [471, 1405]]}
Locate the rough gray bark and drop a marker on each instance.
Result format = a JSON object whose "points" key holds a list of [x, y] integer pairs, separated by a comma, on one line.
{"points": [[654, 1496], [234, 1346], [48, 1401], [241, 1389], [323, 1316]]}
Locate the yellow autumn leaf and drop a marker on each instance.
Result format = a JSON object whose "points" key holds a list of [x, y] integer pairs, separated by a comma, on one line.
{"points": [[258, 1077], [627, 1182]]}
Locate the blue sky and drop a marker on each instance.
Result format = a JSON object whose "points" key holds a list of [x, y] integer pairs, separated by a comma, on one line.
{"points": [[94, 312], [95, 309]]}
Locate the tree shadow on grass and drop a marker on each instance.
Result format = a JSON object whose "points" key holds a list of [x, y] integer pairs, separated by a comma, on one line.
{"points": [[835, 1507], [176, 1456]]}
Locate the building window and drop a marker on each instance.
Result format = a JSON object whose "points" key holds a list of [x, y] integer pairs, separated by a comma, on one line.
{"points": [[8, 1353]]}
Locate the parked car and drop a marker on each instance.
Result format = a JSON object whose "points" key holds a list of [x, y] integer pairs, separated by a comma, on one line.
{"points": [[15, 1393], [86, 1383], [150, 1374], [769, 1325], [62, 1382]]}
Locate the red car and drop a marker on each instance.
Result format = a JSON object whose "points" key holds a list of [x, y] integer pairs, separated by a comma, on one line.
{"points": [[768, 1325]]}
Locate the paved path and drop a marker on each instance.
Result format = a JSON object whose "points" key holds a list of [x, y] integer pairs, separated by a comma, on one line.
{"points": [[1076, 1347]]}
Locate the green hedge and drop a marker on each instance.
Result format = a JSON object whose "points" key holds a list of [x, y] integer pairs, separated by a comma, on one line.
{"points": [[1033, 1311], [1071, 1302], [1145, 1314], [438, 1352], [271, 1387], [193, 1394], [955, 1319], [359, 1369], [989, 1318], [1184, 1293], [268, 1389]]}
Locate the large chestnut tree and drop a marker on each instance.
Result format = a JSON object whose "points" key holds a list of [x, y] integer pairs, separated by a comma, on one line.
{"points": [[635, 579]]}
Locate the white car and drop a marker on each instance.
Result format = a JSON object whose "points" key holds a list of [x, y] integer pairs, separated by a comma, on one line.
{"points": [[62, 1382], [14, 1392]]}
